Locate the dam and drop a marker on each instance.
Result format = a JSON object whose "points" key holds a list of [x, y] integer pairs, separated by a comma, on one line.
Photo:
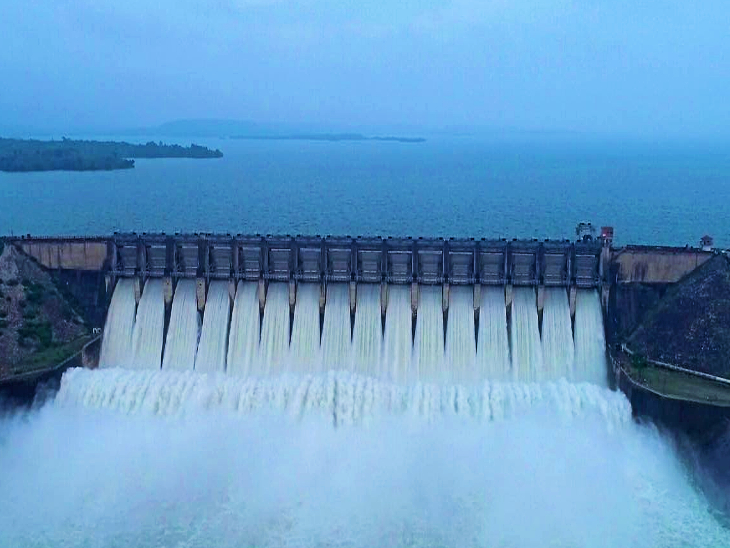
{"points": [[428, 310], [286, 388], [397, 310]]}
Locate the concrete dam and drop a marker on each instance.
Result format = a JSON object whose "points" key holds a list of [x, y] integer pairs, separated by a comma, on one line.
{"points": [[398, 309]]}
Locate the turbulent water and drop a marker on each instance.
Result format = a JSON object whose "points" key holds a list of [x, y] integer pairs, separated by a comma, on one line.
{"points": [[243, 341], [119, 327], [376, 441], [527, 365], [213, 346], [493, 357], [156, 458], [149, 328], [557, 335], [184, 328]]}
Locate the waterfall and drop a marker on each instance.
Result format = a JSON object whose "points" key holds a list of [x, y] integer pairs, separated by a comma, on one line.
{"points": [[213, 345], [557, 335], [336, 341], [397, 343], [367, 335], [525, 336], [149, 327], [274, 345], [243, 339], [493, 360], [305, 354], [347, 397], [428, 345], [116, 348], [590, 342], [460, 346], [184, 329], [517, 352]]}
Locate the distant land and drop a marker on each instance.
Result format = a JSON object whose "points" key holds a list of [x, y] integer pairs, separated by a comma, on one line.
{"points": [[242, 129], [77, 155], [330, 137]]}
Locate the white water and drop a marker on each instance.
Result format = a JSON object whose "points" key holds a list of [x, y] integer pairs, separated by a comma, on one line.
{"points": [[243, 340], [184, 329], [590, 342], [460, 346], [367, 337], [305, 345], [336, 342], [274, 345], [428, 344], [397, 343], [557, 335], [493, 358], [149, 327], [213, 346], [525, 336], [116, 348], [152, 458], [158, 458]]}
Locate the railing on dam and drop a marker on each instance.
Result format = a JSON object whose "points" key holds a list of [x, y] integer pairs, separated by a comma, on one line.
{"points": [[368, 260]]}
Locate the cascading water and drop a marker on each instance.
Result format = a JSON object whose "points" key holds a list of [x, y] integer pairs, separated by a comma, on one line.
{"points": [[525, 336], [149, 327], [243, 339], [274, 345], [493, 359], [116, 348], [344, 458], [213, 347], [397, 343], [557, 335], [367, 337], [184, 329], [336, 341], [428, 345], [590, 342], [305, 354], [460, 346]]}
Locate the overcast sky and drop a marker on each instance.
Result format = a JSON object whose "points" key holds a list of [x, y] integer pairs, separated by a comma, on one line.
{"points": [[648, 67]]}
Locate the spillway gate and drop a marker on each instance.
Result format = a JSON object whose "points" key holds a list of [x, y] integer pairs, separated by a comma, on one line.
{"points": [[366, 260]]}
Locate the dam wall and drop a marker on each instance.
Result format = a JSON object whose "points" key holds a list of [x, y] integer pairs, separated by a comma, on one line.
{"points": [[338, 259], [631, 278]]}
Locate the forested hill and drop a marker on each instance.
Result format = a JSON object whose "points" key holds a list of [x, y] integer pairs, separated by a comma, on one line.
{"points": [[76, 155]]}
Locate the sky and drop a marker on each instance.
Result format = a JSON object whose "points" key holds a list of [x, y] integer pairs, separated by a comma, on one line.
{"points": [[633, 67]]}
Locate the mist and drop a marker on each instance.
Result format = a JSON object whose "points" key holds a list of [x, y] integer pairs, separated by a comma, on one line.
{"points": [[206, 473], [627, 68]]}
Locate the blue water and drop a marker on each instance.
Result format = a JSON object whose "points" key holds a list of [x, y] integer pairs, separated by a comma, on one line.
{"points": [[659, 194]]}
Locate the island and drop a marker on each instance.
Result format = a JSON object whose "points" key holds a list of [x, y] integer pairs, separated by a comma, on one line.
{"points": [[79, 155]]}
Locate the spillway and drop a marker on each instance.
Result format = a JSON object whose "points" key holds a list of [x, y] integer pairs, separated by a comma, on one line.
{"points": [[305, 355], [213, 346], [336, 343], [184, 329], [397, 342], [460, 348], [367, 334], [590, 341], [399, 351], [116, 348], [557, 335], [149, 327], [274, 345], [493, 358], [243, 340], [428, 345], [527, 361]]}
